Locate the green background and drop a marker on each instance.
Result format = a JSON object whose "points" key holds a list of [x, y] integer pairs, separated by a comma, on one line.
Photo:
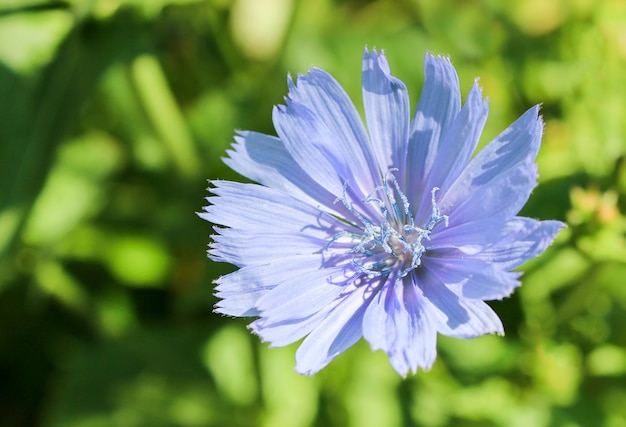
{"points": [[113, 114]]}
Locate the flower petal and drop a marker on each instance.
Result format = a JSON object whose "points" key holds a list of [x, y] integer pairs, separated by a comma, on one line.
{"points": [[454, 315], [264, 159], [381, 322], [474, 278], [323, 132], [397, 323], [512, 236], [386, 103], [251, 207], [237, 295], [421, 349], [239, 291], [303, 296], [439, 104], [498, 181], [525, 243], [240, 304], [287, 332], [472, 237], [243, 248], [458, 142], [340, 329]]}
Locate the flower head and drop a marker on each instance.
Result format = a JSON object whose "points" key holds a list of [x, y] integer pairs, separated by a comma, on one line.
{"points": [[393, 232]]}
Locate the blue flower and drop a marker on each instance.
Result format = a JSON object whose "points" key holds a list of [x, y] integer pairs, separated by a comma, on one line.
{"points": [[392, 233]]}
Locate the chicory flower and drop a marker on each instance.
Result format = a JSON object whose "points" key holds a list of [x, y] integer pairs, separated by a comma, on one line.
{"points": [[393, 233]]}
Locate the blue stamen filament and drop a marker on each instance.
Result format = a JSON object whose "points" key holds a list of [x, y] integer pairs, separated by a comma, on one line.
{"points": [[394, 243]]}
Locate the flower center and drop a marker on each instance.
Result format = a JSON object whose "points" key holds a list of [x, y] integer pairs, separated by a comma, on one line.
{"points": [[392, 244]]}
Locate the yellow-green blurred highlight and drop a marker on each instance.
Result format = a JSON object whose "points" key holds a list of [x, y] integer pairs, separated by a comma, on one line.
{"points": [[113, 115]]}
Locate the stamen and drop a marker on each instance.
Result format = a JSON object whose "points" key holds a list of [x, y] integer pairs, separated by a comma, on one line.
{"points": [[396, 241], [436, 216]]}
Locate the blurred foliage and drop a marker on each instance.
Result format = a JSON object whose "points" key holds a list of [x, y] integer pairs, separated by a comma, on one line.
{"points": [[113, 115]]}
